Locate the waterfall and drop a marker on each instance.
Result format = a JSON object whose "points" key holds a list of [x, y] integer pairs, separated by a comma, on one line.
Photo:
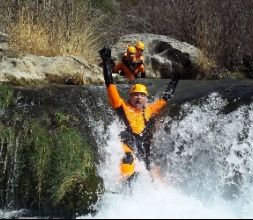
{"points": [[203, 145], [206, 157]]}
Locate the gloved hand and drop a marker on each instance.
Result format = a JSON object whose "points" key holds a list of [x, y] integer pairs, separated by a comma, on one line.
{"points": [[105, 53], [108, 62], [171, 88]]}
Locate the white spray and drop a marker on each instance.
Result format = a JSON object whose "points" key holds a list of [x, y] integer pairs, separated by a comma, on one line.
{"points": [[207, 161]]}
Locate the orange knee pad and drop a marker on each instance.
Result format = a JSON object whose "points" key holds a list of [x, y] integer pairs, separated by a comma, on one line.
{"points": [[127, 166]]}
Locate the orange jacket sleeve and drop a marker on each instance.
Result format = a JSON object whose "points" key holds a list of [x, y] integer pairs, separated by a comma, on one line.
{"points": [[154, 108], [114, 97]]}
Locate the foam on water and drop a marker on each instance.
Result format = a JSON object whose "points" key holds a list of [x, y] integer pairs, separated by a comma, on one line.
{"points": [[202, 153], [206, 158]]}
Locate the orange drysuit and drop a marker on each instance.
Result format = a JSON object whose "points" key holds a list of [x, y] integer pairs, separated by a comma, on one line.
{"points": [[139, 56], [136, 138], [129, 68]]}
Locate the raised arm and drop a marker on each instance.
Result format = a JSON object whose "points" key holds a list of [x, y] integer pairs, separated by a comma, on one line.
{"points": [[155, 107], [113, 95], [105, 54]]}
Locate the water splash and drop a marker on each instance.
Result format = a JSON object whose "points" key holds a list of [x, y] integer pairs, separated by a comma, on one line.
{"points": [[12, 214], [206, 157]]}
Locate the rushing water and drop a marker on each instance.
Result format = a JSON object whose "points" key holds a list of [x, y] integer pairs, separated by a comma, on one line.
{"points": [[206, 157], [205, 152]]}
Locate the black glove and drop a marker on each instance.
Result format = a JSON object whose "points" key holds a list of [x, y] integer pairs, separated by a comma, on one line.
{"points": [[170, 89], [105, 54], [131, 65]]}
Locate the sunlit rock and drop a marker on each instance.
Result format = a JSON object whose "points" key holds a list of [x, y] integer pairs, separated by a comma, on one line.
{"points": [[37, 70], [164, 56]]}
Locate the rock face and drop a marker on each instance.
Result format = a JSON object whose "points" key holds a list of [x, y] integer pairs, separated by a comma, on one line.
{"points": [[165, 56], [34, 70]]}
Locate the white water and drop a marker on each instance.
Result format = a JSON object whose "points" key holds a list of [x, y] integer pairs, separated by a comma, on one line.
{"points": [[199, 154]]}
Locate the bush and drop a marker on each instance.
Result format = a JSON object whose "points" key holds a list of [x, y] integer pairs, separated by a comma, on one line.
{"points": [[51, 28], [223, 30], [47, 170]]}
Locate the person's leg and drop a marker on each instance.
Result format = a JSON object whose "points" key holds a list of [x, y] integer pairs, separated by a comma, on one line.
{"points": [[127, 166]]}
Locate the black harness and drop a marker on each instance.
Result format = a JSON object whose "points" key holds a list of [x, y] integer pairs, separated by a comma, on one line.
{"points": [[139, 143], [130, 65]]}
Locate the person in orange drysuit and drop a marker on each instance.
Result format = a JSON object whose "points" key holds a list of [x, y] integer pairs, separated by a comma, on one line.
{"points": [[139, 52], [138, 115], [139, 48], [130, 66]]}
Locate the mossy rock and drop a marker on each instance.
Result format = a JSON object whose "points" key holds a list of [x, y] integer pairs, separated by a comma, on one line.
{"points": [[79, 193], [52, 169]]}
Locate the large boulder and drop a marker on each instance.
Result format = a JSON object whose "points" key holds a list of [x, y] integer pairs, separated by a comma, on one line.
{"points": [[164, 56], [39, 70], [35, 70]]}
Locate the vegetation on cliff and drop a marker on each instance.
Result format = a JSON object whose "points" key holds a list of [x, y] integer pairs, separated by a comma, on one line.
{"points": [[43, 167]]}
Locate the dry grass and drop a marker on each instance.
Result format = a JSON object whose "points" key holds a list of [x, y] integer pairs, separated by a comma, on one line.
{"points": [[224, 26], [53, 31], [205, 61], [40, 39], [206, 64]]}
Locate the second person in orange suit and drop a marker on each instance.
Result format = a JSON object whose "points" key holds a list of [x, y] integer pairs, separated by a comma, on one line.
{"points": [[129, 66], [139, 51]]}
